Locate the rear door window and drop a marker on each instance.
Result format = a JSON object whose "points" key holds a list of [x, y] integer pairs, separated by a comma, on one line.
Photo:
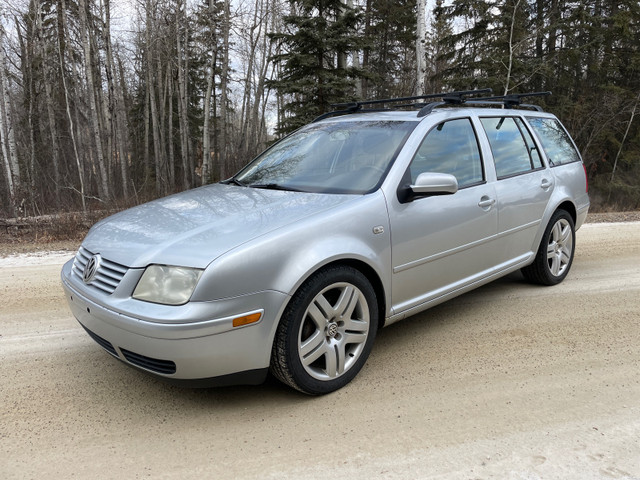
{"points": [[513, 149], [555, 140]]}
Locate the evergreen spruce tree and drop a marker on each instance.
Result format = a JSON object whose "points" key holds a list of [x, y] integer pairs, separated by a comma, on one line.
{"points": [[390, 39], [440, 28], [317, 38]]}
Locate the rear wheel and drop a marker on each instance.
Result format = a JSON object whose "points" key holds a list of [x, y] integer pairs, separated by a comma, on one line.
{"points": [[326, 332], [555, 254]]}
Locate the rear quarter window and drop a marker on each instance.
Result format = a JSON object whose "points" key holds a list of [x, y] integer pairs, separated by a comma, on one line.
{"points": [[555, 140]]}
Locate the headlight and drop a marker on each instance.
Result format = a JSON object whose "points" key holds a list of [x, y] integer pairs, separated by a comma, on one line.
{"points": [[167, 285]]}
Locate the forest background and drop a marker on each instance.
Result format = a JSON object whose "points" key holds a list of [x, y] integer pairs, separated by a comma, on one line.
{"points": [[108, 103]]}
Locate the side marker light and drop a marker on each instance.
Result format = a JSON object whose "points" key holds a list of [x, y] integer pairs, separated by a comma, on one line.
{"points": [[247, 319]]}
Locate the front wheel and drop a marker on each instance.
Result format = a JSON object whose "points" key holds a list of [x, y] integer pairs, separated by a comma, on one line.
{"points": [[326, 332], [555, 254]]}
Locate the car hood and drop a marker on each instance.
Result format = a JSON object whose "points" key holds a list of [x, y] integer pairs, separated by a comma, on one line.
{"points": [[193, 228]]}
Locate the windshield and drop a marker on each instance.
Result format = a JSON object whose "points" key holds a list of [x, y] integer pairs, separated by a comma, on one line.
{"points": [[344, 157]]}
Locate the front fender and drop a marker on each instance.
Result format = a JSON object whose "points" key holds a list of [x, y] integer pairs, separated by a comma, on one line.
{"points": [[283, 259]]}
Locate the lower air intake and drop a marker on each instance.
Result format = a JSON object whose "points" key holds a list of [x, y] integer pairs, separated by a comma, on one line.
{"points": [[166, 367], [102, 342]]}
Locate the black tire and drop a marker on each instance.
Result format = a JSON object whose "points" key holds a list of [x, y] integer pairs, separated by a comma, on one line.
{"points": [[555, 254], [318, 360]]}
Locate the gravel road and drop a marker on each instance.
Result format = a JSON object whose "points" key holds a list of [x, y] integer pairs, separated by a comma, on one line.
{"points": [[511, 381]]}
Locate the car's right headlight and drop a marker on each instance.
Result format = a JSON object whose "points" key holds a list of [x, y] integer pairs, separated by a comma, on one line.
{"points": [[167, 285]]}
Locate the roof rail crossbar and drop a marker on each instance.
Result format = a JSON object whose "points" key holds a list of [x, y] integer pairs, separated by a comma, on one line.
{"points": [[456, 97], [387, 100], [451, 98], [495, 103], [515, 99]]}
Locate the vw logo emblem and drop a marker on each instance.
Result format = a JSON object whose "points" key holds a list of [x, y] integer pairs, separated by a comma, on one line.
{"points": [[91, 268]]}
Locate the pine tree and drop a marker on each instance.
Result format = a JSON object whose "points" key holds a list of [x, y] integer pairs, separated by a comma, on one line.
{"points": [[390, 39], [318, 36]]}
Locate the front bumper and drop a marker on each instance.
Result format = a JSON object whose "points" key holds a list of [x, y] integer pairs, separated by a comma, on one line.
{"points": [[204, 352]]}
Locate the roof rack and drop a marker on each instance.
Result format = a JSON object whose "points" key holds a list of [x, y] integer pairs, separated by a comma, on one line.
{"points": [[456, 97], [512, 100], [507, 101], [451, 98]]}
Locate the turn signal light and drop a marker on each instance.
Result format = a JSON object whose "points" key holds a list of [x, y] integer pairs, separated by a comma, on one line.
{"points": [[247, 319]]}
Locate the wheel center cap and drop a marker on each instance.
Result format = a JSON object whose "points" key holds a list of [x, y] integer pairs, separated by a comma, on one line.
{"points": [[332, 329]]}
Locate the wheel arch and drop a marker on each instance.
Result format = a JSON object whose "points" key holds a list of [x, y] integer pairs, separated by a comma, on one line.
{"points": [[374, 279], [568, 207], [363, 267]]}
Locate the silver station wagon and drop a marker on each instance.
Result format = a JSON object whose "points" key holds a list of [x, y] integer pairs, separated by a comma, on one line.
{"points": [[362, 218]]}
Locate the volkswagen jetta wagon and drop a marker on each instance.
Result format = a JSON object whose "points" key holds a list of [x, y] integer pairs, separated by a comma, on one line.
{"points": [[355, 221]]}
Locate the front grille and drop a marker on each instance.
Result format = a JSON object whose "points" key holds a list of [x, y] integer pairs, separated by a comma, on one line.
{"points": [[160, 366], [107, 277], [102, 342]]}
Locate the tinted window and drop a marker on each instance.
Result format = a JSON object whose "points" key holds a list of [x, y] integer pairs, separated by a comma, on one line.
{"points": [[555, 141], [452, 148], [510, 151]]}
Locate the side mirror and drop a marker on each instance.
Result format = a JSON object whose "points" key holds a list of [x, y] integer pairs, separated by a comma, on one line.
{"points": [[428, 184]]}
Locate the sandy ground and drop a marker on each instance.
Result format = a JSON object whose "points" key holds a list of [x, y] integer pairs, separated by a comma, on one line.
{"points": [[511, 381]]}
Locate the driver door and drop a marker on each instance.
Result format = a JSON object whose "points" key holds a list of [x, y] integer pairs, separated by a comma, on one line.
{"points": [[442, 243]]}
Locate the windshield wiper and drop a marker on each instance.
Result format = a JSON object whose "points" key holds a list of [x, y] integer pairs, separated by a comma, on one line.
{"points": [[274, 186], [233, 181]]}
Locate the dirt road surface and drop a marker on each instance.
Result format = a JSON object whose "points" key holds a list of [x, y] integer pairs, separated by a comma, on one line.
{"points": [[511, 381]]}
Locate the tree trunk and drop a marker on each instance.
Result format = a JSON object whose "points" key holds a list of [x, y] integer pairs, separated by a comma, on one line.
{"points": [[155, 127], [4, 84], [5, 159], [27, 66], [224, 97], [182, 98], [624, 138], [421, 48], [103, 183], [511, 48], [172, 160], [123, 143], [72, 132], [206, 145]]}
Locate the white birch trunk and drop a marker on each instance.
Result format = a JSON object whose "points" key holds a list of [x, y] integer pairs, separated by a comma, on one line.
{"points": [[206, 141], [5, 157], [8, 122], [421, 47], [182, 101], [511, 48], [224, 98]]}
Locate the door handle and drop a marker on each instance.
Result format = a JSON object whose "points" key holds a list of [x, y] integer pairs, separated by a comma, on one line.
{"points": [[486, 202], [546, 184]]}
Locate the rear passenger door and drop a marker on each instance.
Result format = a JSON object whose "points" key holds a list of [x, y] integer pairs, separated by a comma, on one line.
{"points": [[523, 186]]}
